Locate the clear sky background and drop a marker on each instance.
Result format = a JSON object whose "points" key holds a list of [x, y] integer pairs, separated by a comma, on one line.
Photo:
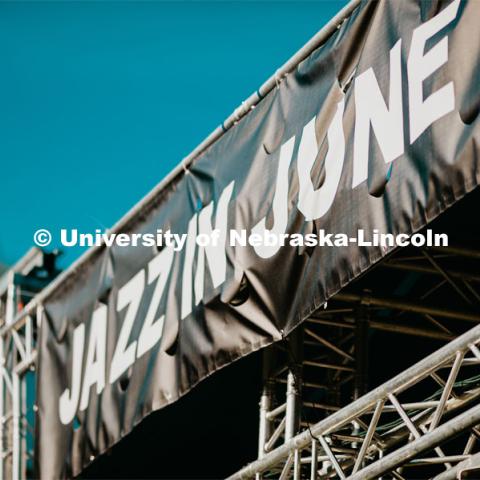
{"points": [[100, 100]]}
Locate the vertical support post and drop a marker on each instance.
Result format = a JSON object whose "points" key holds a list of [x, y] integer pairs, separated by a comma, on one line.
{"points": [[361, 351], [28, 337], [360, 386], [23, 425], [10, 307], [297, 465], [294, 384], [266, 400], [2, 412], [314, 464], [38, 315], [16, 441]]}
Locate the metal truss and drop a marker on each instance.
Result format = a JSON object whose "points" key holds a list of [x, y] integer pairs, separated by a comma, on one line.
{"points": [[393, 428], [421, 424], [18, 333], [305, 379], [316, 418]]}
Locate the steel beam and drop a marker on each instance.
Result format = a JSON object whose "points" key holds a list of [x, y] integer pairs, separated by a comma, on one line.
{"points": [[407, 306], [457, 251], [422, 444], [417, 267], [455, 472], [388, 327]]}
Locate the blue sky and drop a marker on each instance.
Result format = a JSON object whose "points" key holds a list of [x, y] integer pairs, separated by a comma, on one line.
{"points": [[100, 100]]}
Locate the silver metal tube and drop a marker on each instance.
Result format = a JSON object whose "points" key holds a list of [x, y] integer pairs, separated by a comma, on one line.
{"points": [[408, 306], [287, 467], [331, 457], [2, 415], [328, 344], [446, 391], [264, 423], [294, 384], [293, 400], [276, 411], [426, 442], [413, 406], [314, 460], [23, 426], [438, 460], [275, 436], [410, 425], [16, 441], [472, 440], [452, 474], [350, 412], [296, 465], [10, 310], [446, 276], [368, 436]]}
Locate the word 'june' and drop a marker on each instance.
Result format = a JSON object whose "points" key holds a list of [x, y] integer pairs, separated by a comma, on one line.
{"points": [[371, 112]]}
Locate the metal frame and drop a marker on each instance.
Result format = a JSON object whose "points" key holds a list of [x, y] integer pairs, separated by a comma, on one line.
{"points": [[327, 354], [401, 424], [18, 332], [352, 442], [329, 449]]}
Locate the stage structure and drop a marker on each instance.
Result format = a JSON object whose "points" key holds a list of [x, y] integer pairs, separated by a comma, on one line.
{"points": [[18, 336], [422, 423], [372, 126]]}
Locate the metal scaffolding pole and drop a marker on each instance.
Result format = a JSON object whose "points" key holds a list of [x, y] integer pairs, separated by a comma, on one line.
{"points": [[294, 384], [3, 423], [408, 306], [361, 352], [18, 355], [266, 401], [468, 419]]}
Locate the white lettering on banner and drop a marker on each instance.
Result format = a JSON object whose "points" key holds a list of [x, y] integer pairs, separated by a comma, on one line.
{"points": [[96, 353], [421, 65], [280, 202], [158, 269], [129, 299], [387, 123], [216, 256], [129, 296], [371, 114], [188, 268], [315, 203], [215, 253], [69, 398]]}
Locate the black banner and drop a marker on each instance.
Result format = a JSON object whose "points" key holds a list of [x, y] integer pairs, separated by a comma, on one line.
{"points": [[376, 130]]}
